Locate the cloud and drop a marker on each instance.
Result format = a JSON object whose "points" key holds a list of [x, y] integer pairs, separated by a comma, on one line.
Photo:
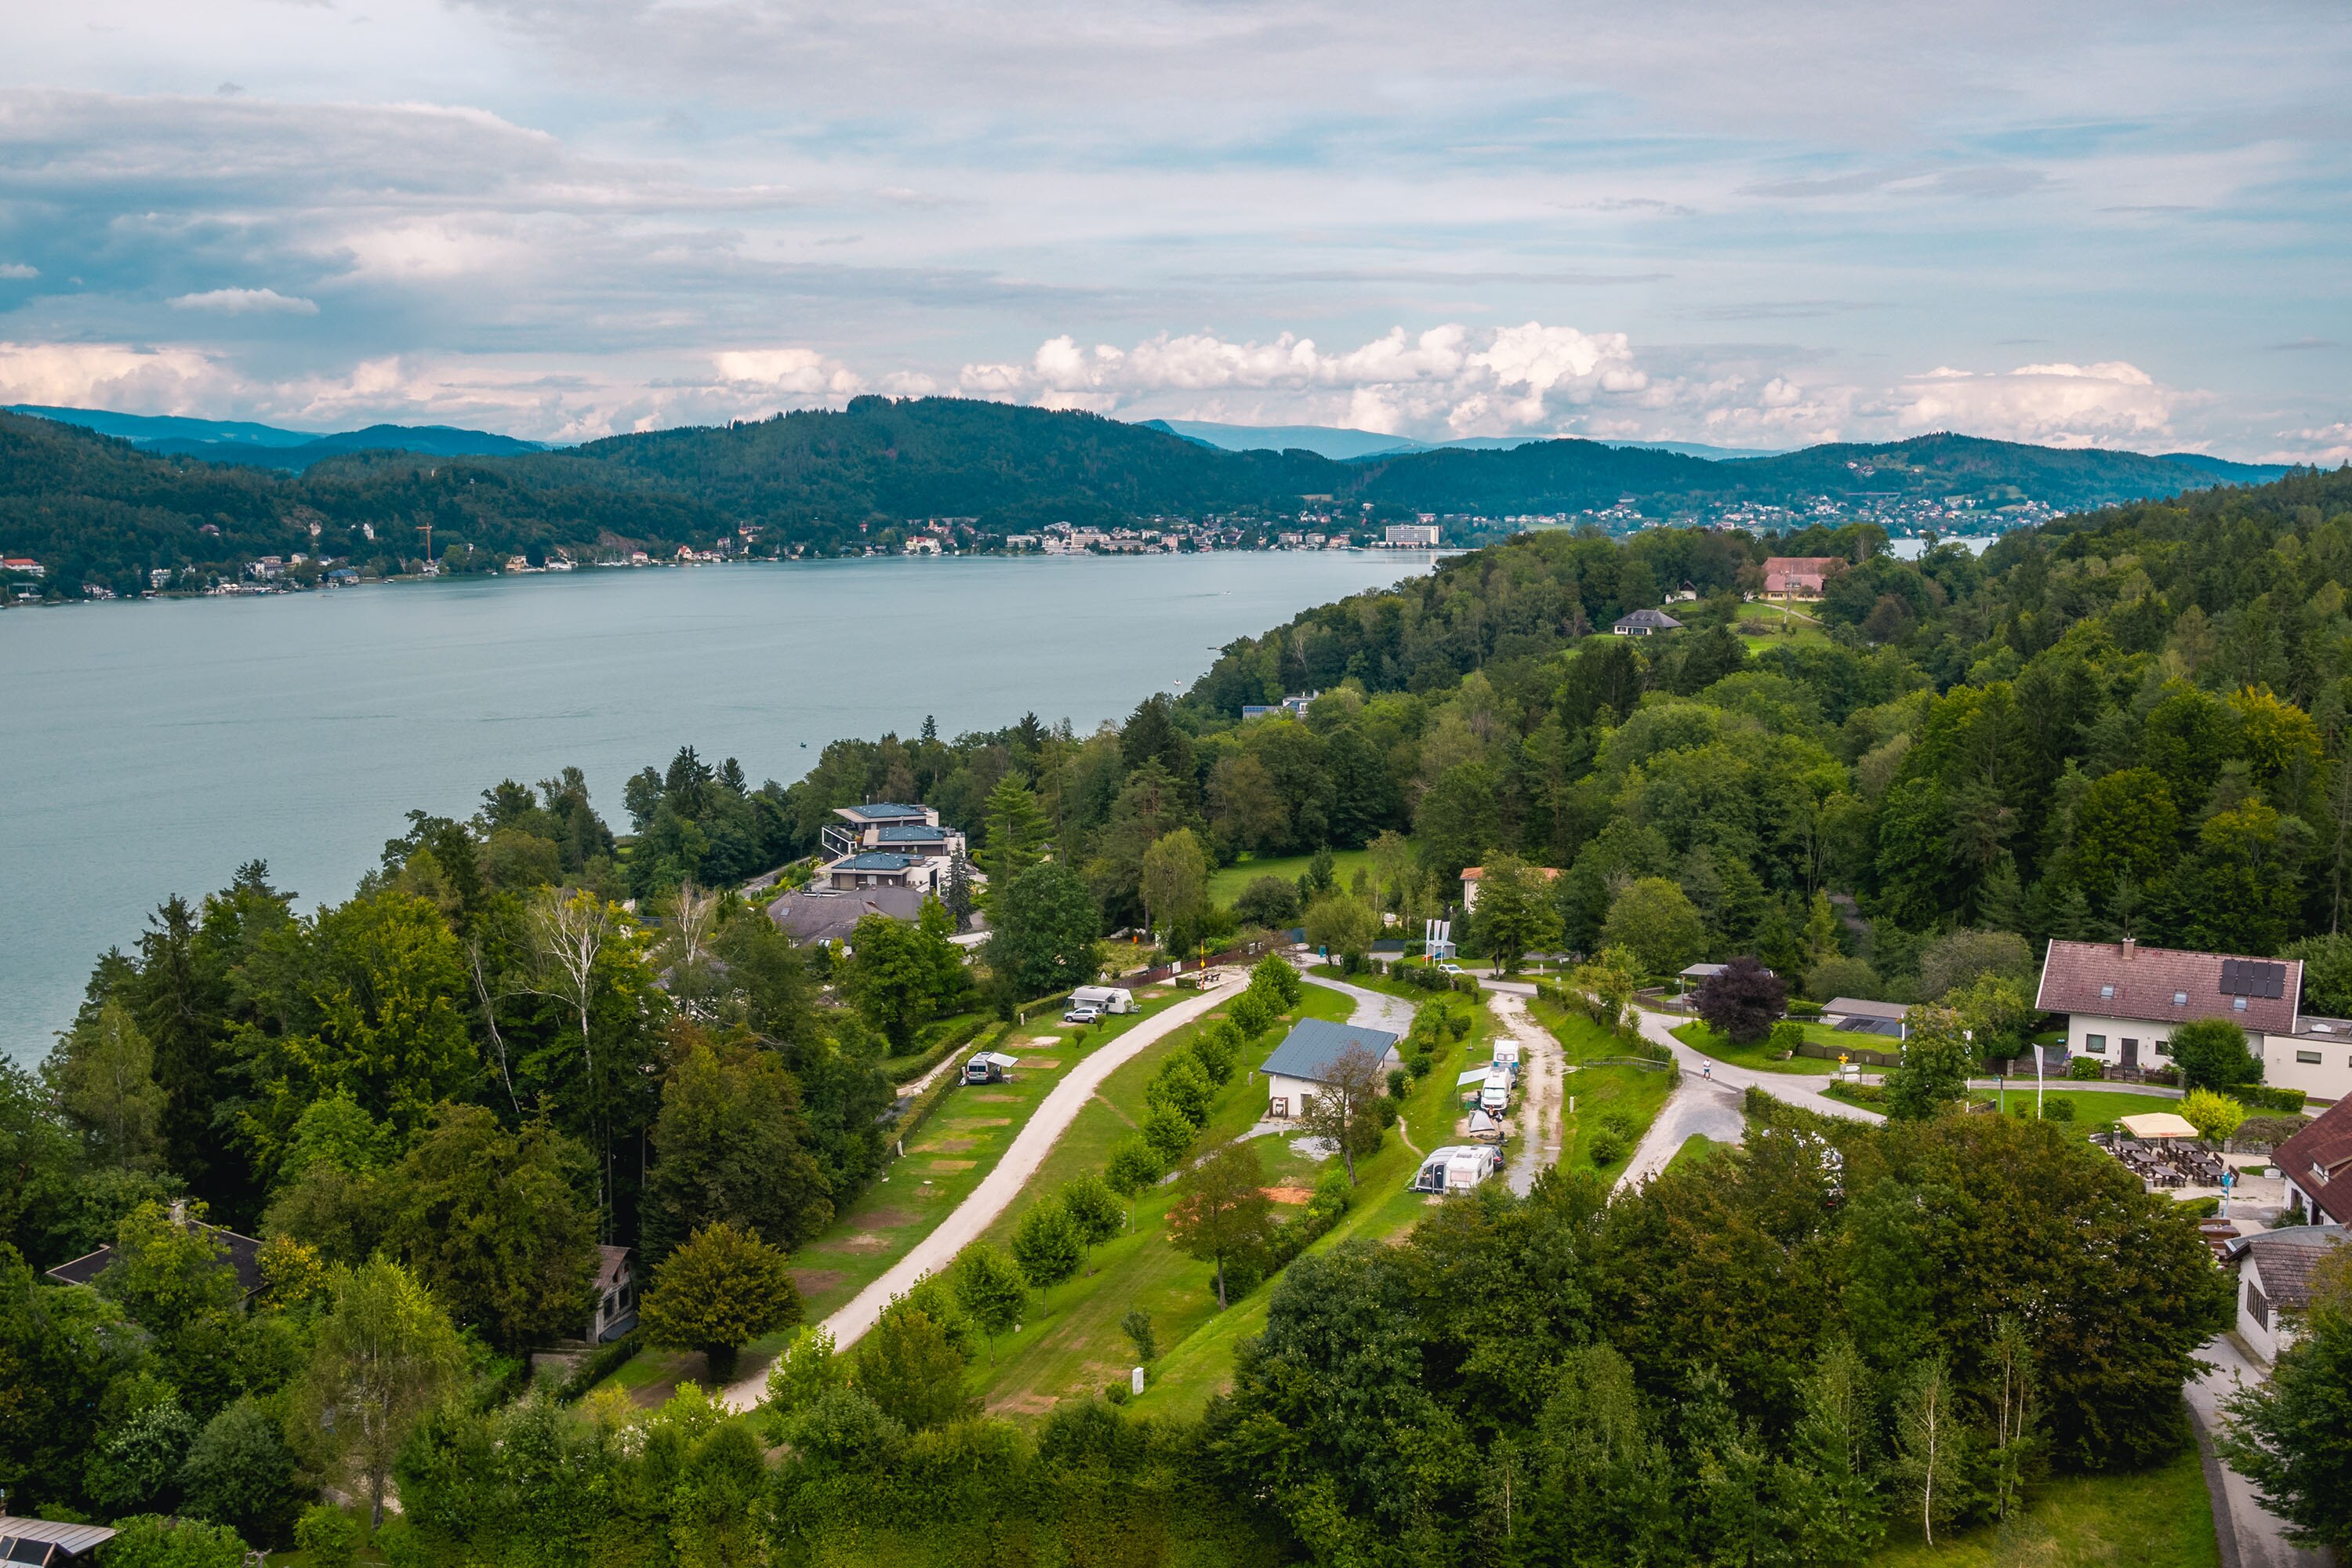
{"points": [[801, 372], [2328, 446], [112, 375], [2111, 404], [247, 302], [18, 271]]}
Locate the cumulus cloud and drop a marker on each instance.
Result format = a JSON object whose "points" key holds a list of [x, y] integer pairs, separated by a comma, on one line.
{"points": [[792, 372], [18, 271], [112, 375], [2109, 404], [2328, 446], [247, 302]]}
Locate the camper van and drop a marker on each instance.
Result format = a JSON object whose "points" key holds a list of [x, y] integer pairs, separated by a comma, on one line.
{"points": [[1455, 1168], [1496, 1097], [989, 1067], [1506, 1056], [1103, 998]]}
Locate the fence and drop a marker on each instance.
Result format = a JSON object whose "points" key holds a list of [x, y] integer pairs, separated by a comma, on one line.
{"points": [[1852, 1053]]}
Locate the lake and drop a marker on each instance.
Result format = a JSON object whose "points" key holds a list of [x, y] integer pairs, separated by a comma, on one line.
{"points": [[152, 747]]}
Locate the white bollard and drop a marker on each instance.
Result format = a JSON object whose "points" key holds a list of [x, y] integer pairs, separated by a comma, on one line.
{"points": [[1135, 1381]]}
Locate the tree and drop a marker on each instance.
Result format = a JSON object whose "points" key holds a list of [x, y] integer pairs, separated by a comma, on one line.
{"points": [[1835, 977], [1168, 1132], [1045, 930], [2215, 1116], [1839, 1515], [1273, 978], [1244, 805], [1094, 1208], [1742, 1002], [1015, 832], [1457, 819], [1346, 1111], [1181, 1084], [1609, 983], [1136, 1324], [1514, 914], [1930, 1443], [888, 978], [1268, 902], [2292, 1436], [1134, 1165], [2212, 1053], [992, 1290], [1342, 922], [1934, 1073], [1047, 1243], [1222, 1213], [240, 1473], [910, 1369], [724, 1287], [1175, 883], [166, 1272], [154, 1541], [1957, 958], [732, 1144], [384, 1355], [1656, 922], [491, 1223], [102, 1074]]}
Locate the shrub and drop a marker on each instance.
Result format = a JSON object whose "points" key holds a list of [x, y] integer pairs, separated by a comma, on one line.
{"points": [[1787, 1035], [2215, 1116], [150, 1540], [1743, 1002], [1119, 1393], [1607, 1147], [2085, 1069], [1619, 1122], [2058, 1108], [1400, 1082], [1137, 1326], [1218, 1049], [2263, 1097], [2270, 1129], [1169, 1135], [329, 1535], [240, 1474]]}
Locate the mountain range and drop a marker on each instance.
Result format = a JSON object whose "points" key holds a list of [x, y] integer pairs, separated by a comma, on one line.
{"points": [[266, 446], [102, 509], [1345, 446]]}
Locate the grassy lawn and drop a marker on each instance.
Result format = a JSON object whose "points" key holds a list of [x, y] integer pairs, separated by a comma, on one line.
{"points": [[2157, 1519], [1226, 885], [946, 1158], [1698, 1149], [1200, 1365], [1785, 629], [1636, 1093], [1761, 1058], [2095, 1110], [1072, 1343]]}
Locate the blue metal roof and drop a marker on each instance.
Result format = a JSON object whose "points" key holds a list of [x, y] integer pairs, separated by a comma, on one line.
{"points": [[885, 808], [873, 860], [1313, 1044], [915, 833]]}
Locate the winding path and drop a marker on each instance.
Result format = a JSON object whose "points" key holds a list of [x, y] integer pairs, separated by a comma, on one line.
{"points": [[997, 1190], [1709, 1100]]}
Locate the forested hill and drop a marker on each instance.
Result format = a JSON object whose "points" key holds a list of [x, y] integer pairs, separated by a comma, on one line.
{"points": [[96, 510]]}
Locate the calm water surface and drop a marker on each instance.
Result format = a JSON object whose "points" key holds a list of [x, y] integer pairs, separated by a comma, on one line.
{"points": [[150, 748]]}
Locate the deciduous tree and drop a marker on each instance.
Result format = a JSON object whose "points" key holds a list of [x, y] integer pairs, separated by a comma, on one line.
{"points": [[724, 1288], [1656, 922], [385, 1353], [1345, 1111], [1742, 1002], [1221, 1211]]}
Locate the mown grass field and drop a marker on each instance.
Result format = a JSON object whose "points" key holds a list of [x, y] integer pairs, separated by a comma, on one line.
{"points": [[2095, 1110], [945, 1159], [1761, 1058], [1226, 885], [1784, 628], [1698, 1149], [2161, 1518]]}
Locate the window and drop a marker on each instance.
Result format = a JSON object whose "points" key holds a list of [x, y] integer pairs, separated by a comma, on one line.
{"points": [[2095, 1044], [2237, 1005], [2106, 993], [2258, 1305], [2158, 1046], [2181, 998], [2308, 1058]]}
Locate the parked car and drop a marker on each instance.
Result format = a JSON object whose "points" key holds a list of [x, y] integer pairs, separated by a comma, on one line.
{"points": [[1450, 967], [1083, 1014]]}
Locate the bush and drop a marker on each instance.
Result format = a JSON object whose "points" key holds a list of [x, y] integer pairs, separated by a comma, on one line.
{"points": [[1400, 1082], [1169, 1135], [1607, 1147], [240, 1474], [1620, 1123], [150, 1540], [1119, 1393], [2085, 1069], [1743, 1002], [2211, 1054], [2058, 1108], [1787, 1035], [2215, 1116], [2271, 1130], [1268, 902], [1218, 1049], [329, 1535], [2263, 1097]]}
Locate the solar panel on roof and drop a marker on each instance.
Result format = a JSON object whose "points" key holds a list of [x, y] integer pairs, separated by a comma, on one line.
{"points": [[2251, 977]]}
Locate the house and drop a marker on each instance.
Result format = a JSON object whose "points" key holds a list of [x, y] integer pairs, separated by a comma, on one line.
{"points": [[47, 1544], [241, 1253], [23, 563], [2275, 1270], [887, 825], [1413, 535], [1798, 576], [884, 868], [819, 914], [1472, 875], [2122, 1002], [1296, 707], [615, 1311], [1857, 1017], [1299, 1067], [2317, 1165], [1645, 623]]}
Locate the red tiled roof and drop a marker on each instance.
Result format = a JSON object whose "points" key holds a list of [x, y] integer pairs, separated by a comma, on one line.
{"points": [[2319, 1160], [1474, 873], [2147, 979]]}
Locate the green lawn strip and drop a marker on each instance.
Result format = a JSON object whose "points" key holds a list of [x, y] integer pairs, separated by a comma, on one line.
{"points": [[2161, 1518], [950, 1155], [1698, 1149], [1072, 1343], [1226, 885], [1191, 1370], [1761, 1058], [1803, 631], [2095, 1110], [1636, 1092]]}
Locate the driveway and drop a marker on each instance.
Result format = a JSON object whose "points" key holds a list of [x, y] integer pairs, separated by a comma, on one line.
{"points": [[999, 1187], [2261, 1536], [1695, 1105], [1801, 1089], [1374, 1009], [1543, 1067]]}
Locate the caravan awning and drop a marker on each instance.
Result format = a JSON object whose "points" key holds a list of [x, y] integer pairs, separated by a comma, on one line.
{"points": [[997, 1059], [2154, 1124], [1476, 1075]]}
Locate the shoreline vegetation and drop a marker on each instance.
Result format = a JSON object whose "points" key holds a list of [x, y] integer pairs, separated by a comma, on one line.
{"points": [[534, 1034]]}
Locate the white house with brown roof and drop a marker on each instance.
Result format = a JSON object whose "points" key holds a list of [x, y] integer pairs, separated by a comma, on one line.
{"points": [[2317, 1165], [1798, 576], [2122, 1002], [1472, 875]]}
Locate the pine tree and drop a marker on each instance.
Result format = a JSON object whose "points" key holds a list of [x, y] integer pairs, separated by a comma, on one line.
{"points": [[1017, 831]]}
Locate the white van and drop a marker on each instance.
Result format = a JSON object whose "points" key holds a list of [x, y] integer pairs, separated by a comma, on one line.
{"points": [[1506, 1056], [1103, 998], [1455, 1168], [1496, 1097]]}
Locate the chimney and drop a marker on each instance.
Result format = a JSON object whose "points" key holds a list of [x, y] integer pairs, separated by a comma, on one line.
{"points": [[2129, 943]]}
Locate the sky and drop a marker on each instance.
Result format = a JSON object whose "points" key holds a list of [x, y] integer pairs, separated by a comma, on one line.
{"points": [[1698, 220]]}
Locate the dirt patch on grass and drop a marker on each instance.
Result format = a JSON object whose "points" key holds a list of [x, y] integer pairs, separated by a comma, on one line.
{"points": [[994, 1096], [1291, 1195], [862, 1241], [810, 1282], [1041, 1066], [1025, 1404], [943, 1146], [950, 1166], [981, 1121], [885, 1219]]}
